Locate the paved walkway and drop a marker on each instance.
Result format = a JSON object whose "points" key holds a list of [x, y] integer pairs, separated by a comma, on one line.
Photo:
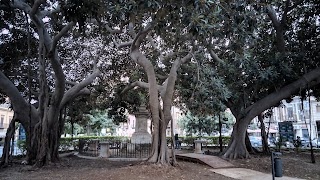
{"points": [[223, 167], [212, 161]]}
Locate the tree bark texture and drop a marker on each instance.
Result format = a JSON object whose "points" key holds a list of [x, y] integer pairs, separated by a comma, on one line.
{"points": [[265, 147], [237, 147], [6, 148]]}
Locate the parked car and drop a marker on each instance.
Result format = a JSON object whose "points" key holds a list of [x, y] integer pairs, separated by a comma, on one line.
{"points": [[306, 143], [272, 141], [255, 141], [288, 144], [316, 143]]}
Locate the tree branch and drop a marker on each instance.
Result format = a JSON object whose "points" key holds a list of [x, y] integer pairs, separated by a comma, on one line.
{"points": [[131, 30], [168, 56], [122, 45], [49, 13], [34, 10], [297, 3], [279, 28], [215, 57], [53, 56], [133, 85], [60, 34], [140, 36], [167, 93], [153, 44], [142, 85], [36, 6], [78, 88], [95, 60], [18, 102], [272, 14], [75, 90], [313, 77], [114, 31], [285, 13], [71, 83], [187, 57]]}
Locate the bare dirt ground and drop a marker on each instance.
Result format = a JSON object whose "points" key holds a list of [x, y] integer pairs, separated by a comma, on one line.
{"points": [[293, 164], [76, 168], [72, 167]]}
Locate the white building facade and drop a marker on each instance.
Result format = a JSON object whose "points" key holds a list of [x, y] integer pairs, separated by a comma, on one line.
{"points": [[305, 117], [6, 116]]}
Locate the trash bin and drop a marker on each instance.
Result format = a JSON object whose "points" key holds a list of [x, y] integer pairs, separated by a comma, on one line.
{"points": [[277, 167]]}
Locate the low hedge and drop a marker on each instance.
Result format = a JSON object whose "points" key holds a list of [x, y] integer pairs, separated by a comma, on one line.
{"points": [[67, 142], [100, 138], [189, 140]]}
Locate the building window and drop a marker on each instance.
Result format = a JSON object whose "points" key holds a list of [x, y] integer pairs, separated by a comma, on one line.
{"points": [[133, 124], [305, 134], [1, 121], [318, 109], [290, 113], [318, 127]]}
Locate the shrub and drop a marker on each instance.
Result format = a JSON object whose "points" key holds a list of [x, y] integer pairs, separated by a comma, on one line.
{"points": [[22, 146], [67, 142], [189, 140]]}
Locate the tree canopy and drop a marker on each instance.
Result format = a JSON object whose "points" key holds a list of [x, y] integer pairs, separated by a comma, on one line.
{"points": [[204, 56]]}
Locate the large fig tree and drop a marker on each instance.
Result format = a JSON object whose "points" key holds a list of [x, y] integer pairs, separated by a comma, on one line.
{"points": [[42, 122]]}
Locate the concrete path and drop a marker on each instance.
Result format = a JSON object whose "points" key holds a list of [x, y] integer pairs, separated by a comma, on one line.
{"points": [[248, 174], [212, 161], [223, 167]]}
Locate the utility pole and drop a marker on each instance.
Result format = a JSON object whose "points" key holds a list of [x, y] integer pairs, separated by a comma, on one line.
{"points": [[313, 159]]}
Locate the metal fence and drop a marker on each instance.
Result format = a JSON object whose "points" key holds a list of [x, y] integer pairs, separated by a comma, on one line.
{"points": [[117, 149], [130, 150]]}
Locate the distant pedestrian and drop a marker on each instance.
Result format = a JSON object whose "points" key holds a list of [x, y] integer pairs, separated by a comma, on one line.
{"points": [[297, 144], [298, 141], [176, 139]]}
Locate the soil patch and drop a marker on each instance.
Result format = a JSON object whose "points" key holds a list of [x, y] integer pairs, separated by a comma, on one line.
{"points": [[293, 164], [73, 167]]}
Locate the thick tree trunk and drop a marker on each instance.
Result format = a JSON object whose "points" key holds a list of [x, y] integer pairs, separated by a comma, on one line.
{"points": [[154, 148], [265, 147], [220, 134], [173, 146], [6, 148], [42, 125], [249, 147], [153, 100], [237, 147], [163, 153]]}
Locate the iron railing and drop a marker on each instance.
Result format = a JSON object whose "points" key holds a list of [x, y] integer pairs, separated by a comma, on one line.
{"points": [[117, 149], [130, 150]]}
